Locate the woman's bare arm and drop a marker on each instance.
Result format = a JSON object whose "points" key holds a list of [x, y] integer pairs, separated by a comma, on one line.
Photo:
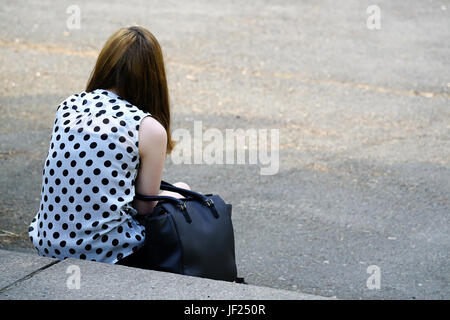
{"points": [[152, 151]]}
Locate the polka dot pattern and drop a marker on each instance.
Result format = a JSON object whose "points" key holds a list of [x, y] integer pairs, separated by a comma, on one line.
{"points": [[88, 181]]}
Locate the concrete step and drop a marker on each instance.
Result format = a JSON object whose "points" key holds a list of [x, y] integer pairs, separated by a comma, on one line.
{"points": [[28, 276]]}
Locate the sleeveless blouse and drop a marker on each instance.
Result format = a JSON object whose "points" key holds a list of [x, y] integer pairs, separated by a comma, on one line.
{"points": [[88, 181]]}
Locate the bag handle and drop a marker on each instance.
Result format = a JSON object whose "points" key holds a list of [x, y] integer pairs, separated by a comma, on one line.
{"points": [[184, 192], [189, 193], [179, 202]]}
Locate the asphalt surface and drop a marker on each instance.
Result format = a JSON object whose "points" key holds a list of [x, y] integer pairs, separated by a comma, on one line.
{"points": [[363, 116]]}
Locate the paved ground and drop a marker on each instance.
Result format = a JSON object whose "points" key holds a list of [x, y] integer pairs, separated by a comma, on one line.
{"points": [[363, 118], [29, 276]]}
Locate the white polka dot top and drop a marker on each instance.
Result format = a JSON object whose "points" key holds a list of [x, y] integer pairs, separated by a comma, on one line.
{"points": [[88, 181]]}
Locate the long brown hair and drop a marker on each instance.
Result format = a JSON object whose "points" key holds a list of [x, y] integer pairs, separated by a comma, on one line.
{"points": [[131, 62]]}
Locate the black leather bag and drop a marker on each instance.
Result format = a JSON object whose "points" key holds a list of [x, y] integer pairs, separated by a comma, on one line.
{"points": [[192, 236]]}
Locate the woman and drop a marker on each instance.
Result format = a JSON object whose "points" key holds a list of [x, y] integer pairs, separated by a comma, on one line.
{"points": [[107, 144]]}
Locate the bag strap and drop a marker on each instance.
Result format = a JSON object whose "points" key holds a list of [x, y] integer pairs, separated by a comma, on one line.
{"points": [[157, 198], [189, 193], [179, 202], [184, 192]]}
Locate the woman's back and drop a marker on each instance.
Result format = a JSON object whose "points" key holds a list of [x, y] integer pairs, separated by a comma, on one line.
{"points": [[88, 180]]}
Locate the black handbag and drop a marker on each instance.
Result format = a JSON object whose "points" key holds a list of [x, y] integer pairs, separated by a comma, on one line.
{"points": [[191, 236]]}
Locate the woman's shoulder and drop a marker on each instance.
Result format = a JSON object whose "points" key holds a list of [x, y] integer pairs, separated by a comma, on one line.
{"points": [[150, 127], [151, 133]]}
